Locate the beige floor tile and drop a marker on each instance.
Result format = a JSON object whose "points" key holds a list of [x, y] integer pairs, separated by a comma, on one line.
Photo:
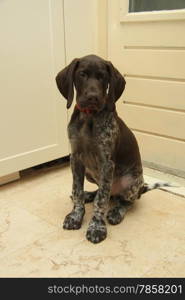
{"points": [[42, 195], [19, 228], [48, 196], [132, 249], [167, 268], [149, 242], [68, 254]]}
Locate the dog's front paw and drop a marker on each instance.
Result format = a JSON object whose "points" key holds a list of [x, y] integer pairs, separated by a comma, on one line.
{"points": [[97, 230], [73, 220]]}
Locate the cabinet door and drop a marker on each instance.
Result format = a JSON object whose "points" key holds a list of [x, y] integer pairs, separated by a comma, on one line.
{"points": [[33, 119]]}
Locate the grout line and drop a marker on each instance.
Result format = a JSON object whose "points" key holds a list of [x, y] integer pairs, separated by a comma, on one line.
{"points": [[171, 192]]}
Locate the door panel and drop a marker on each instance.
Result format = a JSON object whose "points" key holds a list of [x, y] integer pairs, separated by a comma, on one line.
{"points": [[161, 121], [147, 35], [165, 94], [157, 147], [33, 118], [149, 49], [155, 63]]}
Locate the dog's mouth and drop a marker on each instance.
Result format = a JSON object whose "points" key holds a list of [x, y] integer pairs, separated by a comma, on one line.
{"points": [[90, 106], [86, 109]]}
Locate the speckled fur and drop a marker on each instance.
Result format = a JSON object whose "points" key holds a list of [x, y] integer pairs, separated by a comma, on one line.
{"points": [[93, 145], [102, 147]]}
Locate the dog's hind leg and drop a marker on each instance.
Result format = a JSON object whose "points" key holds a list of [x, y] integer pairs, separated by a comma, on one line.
{"points": [[125, 201], [116, 214], [89, 196]]}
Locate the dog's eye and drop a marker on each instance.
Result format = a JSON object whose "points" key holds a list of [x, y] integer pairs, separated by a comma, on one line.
{"points": [[82, 74], [100, 76]]}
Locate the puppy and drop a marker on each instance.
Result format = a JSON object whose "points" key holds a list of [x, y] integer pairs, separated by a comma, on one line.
{"points": [[103, 148]]}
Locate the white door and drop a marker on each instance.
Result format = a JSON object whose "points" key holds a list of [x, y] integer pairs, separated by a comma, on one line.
{"points": [[147, 43], [33, 118]]}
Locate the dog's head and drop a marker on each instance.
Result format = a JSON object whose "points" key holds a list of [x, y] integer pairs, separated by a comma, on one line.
{"points": [[98, 83]]}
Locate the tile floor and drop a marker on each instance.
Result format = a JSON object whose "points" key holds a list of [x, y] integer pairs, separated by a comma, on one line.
{"points": [[150, 242]]}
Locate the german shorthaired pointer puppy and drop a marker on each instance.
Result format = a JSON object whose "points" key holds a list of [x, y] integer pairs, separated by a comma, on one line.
{"points": [[103, 148]]}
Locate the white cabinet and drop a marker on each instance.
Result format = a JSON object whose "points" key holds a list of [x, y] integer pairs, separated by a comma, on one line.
{"points": [[33, 119], [37, 39]]}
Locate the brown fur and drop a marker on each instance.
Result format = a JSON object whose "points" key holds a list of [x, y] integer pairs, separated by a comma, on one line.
{"points": [[103, 148]]}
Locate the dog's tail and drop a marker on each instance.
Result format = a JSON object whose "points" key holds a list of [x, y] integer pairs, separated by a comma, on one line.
{"points": [[149, 187]]}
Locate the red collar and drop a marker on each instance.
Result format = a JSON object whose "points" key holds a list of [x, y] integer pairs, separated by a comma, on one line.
{"points": [[84, 110]]}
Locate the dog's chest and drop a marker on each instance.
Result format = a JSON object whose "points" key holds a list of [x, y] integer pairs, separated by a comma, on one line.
{"points": [[83, 136], [92, 139]]}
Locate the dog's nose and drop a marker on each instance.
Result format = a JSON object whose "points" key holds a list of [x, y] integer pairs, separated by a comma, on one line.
{"points": [[92, 98]]}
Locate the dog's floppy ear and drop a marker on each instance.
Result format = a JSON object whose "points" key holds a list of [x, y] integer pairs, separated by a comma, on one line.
{"points": [[65, 79], [116, 85]]}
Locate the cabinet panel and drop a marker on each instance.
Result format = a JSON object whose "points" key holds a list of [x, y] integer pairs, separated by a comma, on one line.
{"points": [[33, 119]]}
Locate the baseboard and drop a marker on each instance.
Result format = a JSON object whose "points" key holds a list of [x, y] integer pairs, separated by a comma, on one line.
{"points": [[9, 178], [164, 169]]}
